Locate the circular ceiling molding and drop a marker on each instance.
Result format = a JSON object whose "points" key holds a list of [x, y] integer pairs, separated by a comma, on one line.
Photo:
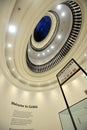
{"points": [[25, 59], [47, 39], [42, 58]]}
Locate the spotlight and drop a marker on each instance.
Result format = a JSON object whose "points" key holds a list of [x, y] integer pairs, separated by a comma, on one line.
{"points": [[12, 29]]}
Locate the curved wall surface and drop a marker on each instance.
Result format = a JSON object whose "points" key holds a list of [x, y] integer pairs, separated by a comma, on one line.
{"points": [[30, 98]]}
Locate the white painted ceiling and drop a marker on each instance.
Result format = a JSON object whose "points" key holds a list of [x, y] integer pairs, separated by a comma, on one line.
{"points": [[24, 16]]}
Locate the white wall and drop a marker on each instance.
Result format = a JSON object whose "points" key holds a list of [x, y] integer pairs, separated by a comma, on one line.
{"points": [[44, 117], [49, 103]]}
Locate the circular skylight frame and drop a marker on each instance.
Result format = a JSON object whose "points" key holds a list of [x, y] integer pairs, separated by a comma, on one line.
{"points": [[42, 29], [77, 20], [51, 35]]}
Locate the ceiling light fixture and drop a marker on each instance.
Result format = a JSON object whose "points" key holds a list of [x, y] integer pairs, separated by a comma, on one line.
{"points": [[63, 14], [29, 50], [9, 45], [52, 47], [9, 58], [85, 54], [59, 36], [13, 69], [59, 7], [43, 53], [12, 29], [48, 51], [38, 54]]}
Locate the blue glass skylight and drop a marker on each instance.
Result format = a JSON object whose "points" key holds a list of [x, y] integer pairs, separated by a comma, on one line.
{"points": [[42, 29]]}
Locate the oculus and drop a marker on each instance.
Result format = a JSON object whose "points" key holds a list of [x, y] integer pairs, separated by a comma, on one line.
{"points": [[42, 29]]}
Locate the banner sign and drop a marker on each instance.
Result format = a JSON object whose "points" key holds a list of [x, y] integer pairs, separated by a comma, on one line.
{"points": [[68, 71]]}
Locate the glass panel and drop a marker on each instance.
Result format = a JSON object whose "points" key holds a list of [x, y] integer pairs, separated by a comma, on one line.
{"points": [[66, 121], [79, 112], [42, 29]]}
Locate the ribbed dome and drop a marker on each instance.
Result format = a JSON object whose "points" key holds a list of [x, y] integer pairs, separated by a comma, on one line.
{"points": [[33, 65]]}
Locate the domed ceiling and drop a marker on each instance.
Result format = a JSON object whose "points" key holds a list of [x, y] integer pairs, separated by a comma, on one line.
{"points": [[39, 40]]}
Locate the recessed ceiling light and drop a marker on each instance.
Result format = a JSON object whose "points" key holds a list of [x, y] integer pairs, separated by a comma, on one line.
{"points": [[52, 47], [48, 51], [63, 14], [13, 69], [38, 54], [43, 53], [59, 36], [10, 58], [85, 54], [12, 29], [9, 45], [59, 7], [29, 50]]}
